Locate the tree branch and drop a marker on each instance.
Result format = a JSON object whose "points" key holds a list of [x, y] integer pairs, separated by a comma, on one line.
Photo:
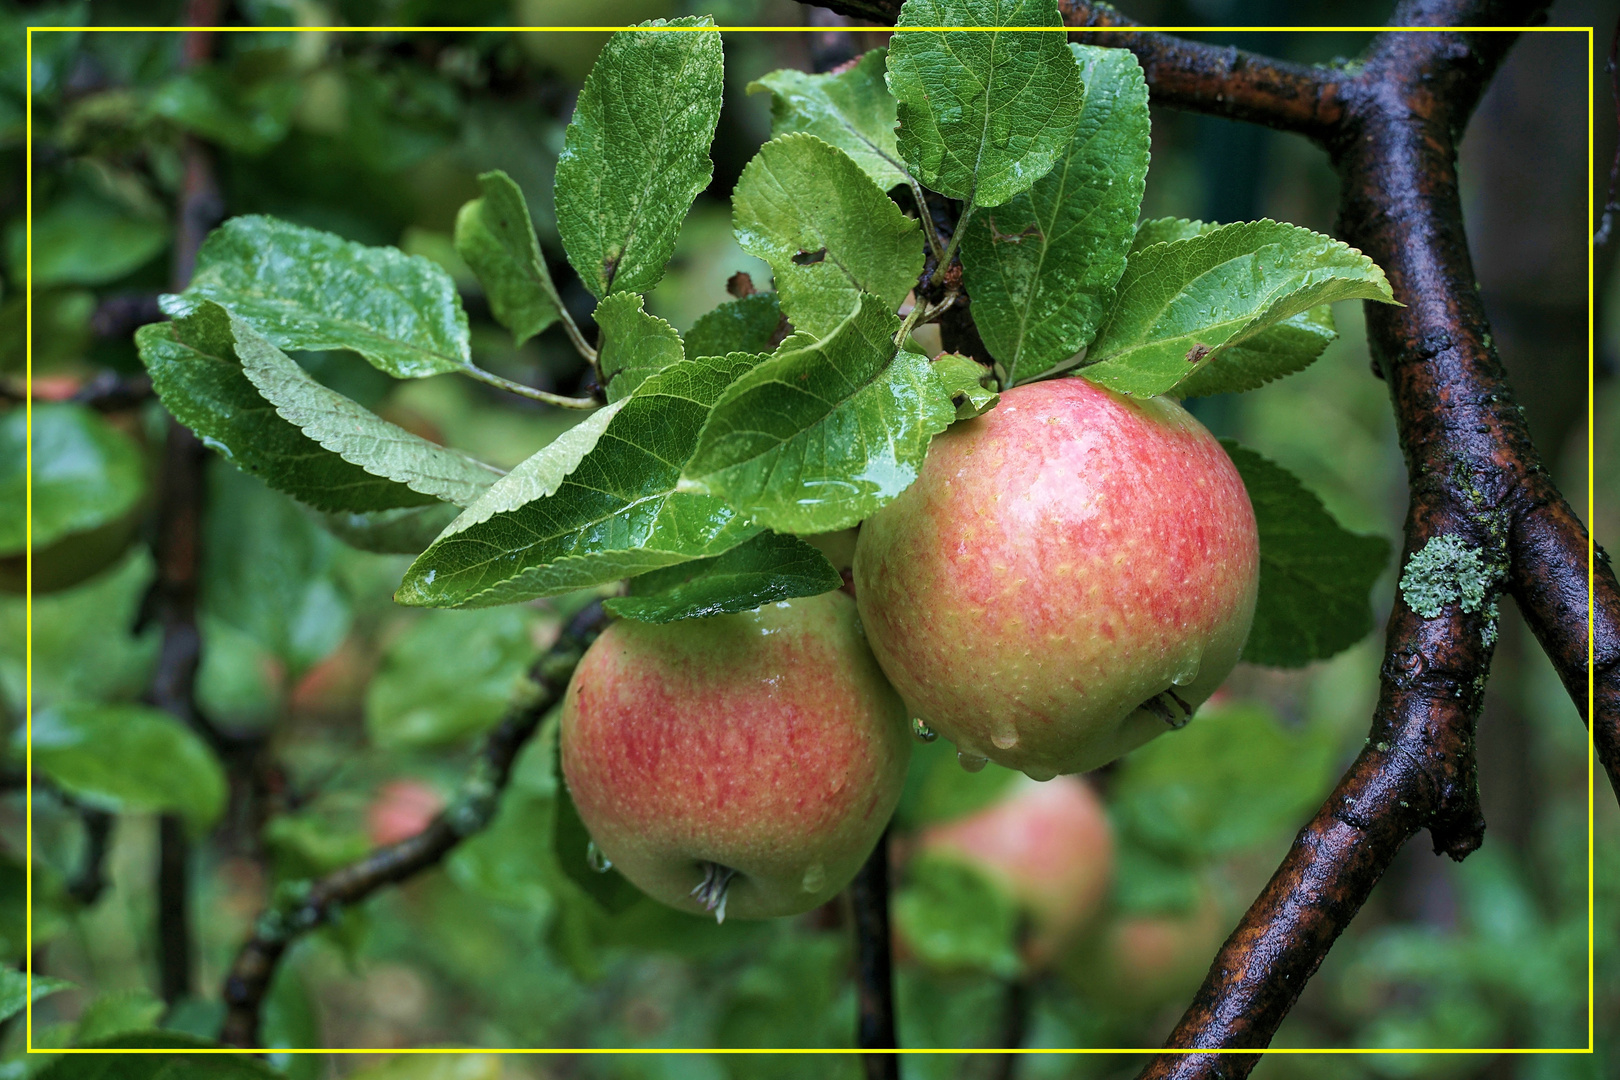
{"points": [[310, 904], [1391, 126]]}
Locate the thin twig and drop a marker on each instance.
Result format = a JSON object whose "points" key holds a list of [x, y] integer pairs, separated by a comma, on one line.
{"points": [[1612, 206], [559, 400], [301, 908]]}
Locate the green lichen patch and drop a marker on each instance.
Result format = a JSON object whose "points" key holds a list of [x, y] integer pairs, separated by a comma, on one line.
{"points": [[1447, 570]]}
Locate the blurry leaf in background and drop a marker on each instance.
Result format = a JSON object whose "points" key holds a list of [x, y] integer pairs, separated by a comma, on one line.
{"points": [[1182, 305], [769, 568], [953, 917], [1041, 267], [823, 432], [634, 344], [549, 521], [197, 376], [983, 115], [748, 325], [1254, 780], [86, 473], [53, 53], [851, 109], [571, 54], [939, 789], [239, 681], [307, 289], [1315, 576], [291, 1022], [796, 994], [209, 102], [707, 256], [127, 758], [15, 993], [177, 1065], [84, 649], [119, 1012], [61, 329], [496, 238], [270, 571], [637, 154], [398, 115], [85, 240], [51, 908], [434, 1067], [509, 136], [828, 232], [407, 530], [307, 845], [449, 676]]}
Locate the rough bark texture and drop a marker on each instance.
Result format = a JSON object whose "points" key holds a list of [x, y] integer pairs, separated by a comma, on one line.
{"points": [[249, 978], [1391, 126]]}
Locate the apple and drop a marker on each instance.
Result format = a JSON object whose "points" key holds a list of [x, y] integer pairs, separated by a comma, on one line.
{"points": [[740, 764], [1071, 574], [1143, 961], [1048, 846]]}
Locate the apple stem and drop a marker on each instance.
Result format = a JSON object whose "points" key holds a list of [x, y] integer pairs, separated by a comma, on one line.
{"points": [[711, 891]]}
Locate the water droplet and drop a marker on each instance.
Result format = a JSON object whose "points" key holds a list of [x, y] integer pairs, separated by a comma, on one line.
{"points": [[814, 878], [923, 732], [1040, 776], [1005, 739], [970, 762], [596, 860], [1188, 671]]}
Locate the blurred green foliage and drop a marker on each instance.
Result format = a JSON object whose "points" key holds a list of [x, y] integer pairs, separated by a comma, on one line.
{"points": [[380, 137]]}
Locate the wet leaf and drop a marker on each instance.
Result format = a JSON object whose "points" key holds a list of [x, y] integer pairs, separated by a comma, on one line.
{"points": [[496, 238], [634, 344], [766, 569], [852, 109]]}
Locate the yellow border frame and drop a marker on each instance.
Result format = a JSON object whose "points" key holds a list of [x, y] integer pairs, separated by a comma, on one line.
{"points": [[1591, 760]]}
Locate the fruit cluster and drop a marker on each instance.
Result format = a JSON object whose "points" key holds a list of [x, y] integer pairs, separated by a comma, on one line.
{"points": [[1072, 574]]}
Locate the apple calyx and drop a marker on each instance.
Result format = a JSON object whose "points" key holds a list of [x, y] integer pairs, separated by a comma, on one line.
{"points": [[711, 891], [1158, 706]]}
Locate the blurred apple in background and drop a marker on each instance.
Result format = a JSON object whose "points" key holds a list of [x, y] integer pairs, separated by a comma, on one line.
{"points": [[401, 809]]}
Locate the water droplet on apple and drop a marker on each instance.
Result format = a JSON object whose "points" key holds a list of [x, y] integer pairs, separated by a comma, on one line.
{"points": [[1005, 740], [814, 878], [1040, 776], [1188, 671], [923, 732], [970, 762], [596, 860]]}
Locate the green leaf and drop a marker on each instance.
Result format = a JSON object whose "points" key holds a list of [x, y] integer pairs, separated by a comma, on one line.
{"points": [[1256, 782], [957, 919], [181, 1063], [448, 677], [87, 473], [823, 432], [354, 433], [81, 240], [768, 568], [983, 115], [964, 381], [1167, 230], [749, 325], [15, 993], [271, 571], [405, 531], [307, 289], [1315, 576], [637, 153], [852, 109], [1041, 267], [939, 789], [828, 232], [196, 373], [209, 102], [634, 344], [603, 507], [117, 1012], [1182, 305], [1288, 347], [496, 238], [128, 758]]}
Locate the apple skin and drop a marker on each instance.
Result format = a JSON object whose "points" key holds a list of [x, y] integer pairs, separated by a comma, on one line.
{"points": [[767, 742], [1048, 846], [1060, 562]]}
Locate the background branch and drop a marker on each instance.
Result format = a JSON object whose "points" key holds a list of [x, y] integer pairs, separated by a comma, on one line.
{"points": [[303, 909], [874, 964]]}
